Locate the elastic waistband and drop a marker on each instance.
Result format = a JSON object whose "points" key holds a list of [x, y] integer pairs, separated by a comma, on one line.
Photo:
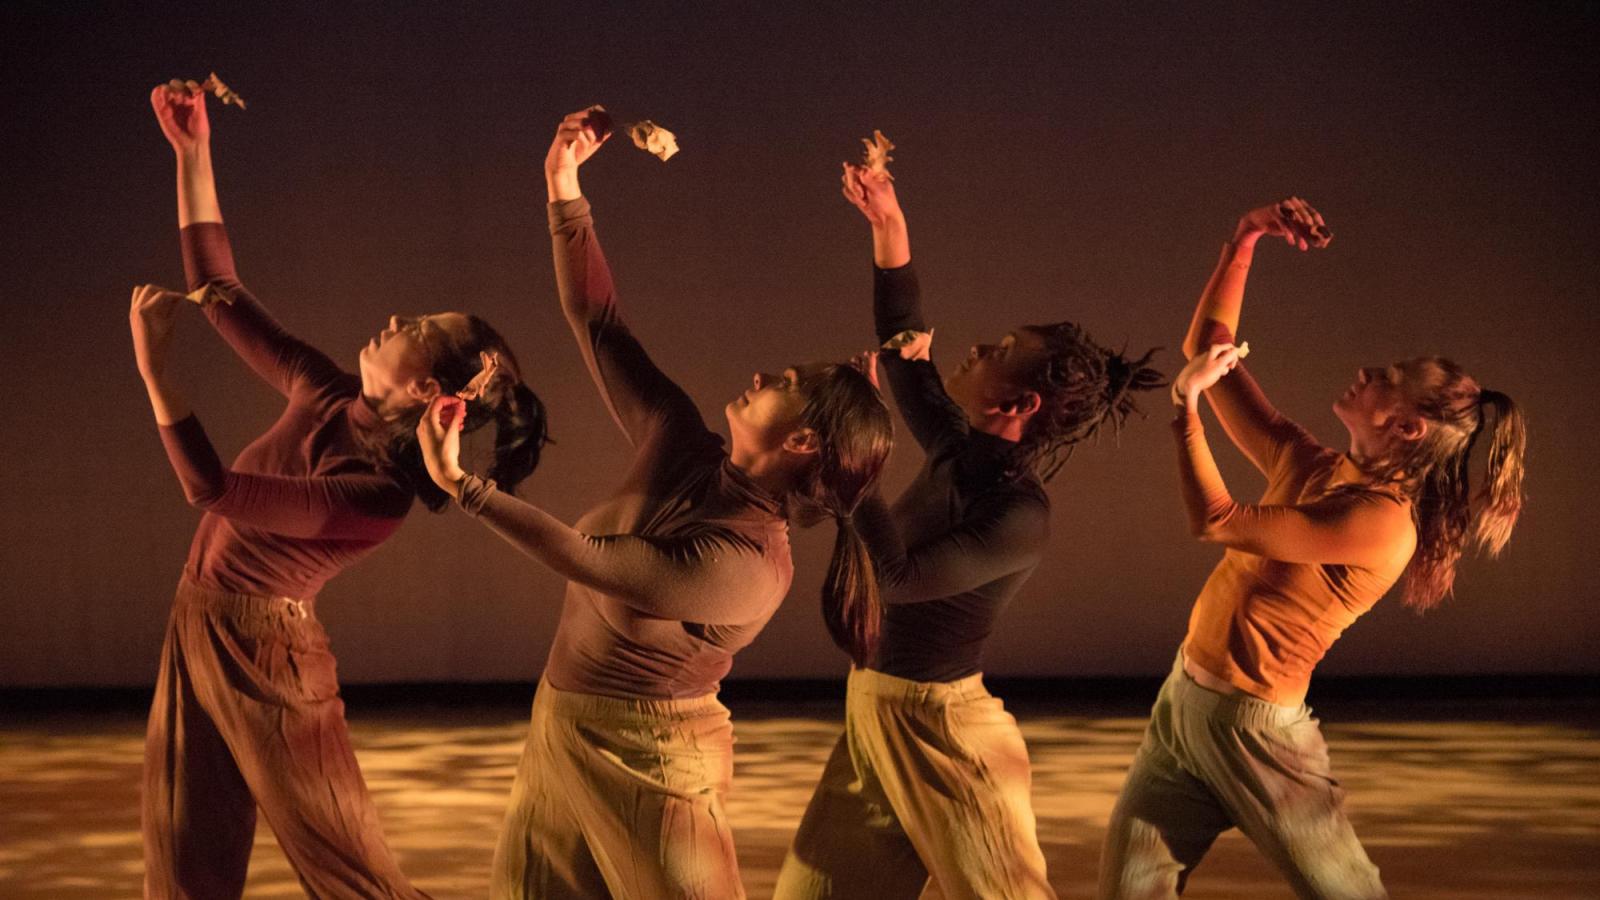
{"points": [[191, 594], [573, 704], [1237, 709], [877, 684]]}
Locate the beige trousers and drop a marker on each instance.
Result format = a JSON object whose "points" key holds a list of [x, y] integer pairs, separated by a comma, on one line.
{"points": [[620, 798], [1214, 761], [928, 788]]}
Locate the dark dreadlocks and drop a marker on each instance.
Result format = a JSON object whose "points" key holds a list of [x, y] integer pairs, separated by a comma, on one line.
{"points": [[1081, 387]]}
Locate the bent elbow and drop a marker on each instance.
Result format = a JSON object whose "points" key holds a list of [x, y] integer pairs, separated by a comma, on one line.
{"points": [[1211, 526], [202, 499]]}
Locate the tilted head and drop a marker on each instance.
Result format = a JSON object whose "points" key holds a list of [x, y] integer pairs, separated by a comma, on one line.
{"points": [[1048, 387], [827, 427], [1414, 424], [418, 358]]}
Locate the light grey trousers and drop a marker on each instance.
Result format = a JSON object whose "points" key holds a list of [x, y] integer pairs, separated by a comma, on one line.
{"points": [[1212, 761]]}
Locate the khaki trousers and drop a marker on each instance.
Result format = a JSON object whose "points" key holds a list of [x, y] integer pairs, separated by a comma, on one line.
{"points": [[620, 798], [246, 714], [928, 788], [1214, 761]]}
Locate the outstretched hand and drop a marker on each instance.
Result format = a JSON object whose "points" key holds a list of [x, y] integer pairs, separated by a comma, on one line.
{"points": [[181, 113], [439, 437], [872, 193], [1203, 371], [1293, 220], [577, 138], [150, 320]]}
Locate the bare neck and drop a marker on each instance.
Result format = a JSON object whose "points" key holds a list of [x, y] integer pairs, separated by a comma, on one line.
{"points": [[776, 474]]}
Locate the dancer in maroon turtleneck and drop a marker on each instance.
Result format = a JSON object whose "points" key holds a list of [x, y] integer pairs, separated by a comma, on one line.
{"points": [[247, 711]]}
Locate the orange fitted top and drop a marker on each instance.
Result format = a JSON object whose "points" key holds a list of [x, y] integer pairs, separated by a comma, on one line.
{"points": [[1319, 548]]}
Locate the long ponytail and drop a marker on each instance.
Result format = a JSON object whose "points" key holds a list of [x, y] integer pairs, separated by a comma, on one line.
{"points": [[1450, 515], [851, 606], [854, 432]]}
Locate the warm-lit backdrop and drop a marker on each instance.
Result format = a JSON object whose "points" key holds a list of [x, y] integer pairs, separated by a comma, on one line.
{"points": [[1056, 161]]}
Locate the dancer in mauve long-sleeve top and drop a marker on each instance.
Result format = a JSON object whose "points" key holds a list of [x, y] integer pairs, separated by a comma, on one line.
{"points": [[930, 780], [1231, 743], [620, 789], [247, 711]]}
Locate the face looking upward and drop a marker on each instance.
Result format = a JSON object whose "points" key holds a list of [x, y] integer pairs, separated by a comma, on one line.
{"points": [[1376, 411], [998, 380], [768, 413], [397, 364]]}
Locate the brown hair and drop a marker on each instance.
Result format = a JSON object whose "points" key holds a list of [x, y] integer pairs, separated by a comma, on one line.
{"points": [[1434, 470], [855, 433], [521, 428], [1081, 387]]}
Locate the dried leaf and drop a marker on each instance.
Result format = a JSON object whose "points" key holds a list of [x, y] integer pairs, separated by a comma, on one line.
{"points": [[480, 382], [222, 91], [652, 138], [912, 344], [877, 156], [207, 294]]}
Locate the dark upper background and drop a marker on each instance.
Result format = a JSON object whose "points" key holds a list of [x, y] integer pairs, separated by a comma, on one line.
{"points": [[1081, 161]]}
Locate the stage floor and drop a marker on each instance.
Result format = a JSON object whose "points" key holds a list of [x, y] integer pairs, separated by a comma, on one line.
{"points": [[1461, 801]]}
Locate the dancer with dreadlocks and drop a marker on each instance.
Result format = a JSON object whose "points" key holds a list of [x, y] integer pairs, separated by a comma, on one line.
{"points": [[1231, 743], [931, 779]]}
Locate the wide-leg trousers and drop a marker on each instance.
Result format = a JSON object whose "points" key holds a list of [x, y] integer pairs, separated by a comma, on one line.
{"points": [[247, 715], [1213, 761], [620, 798], [928, 788]]}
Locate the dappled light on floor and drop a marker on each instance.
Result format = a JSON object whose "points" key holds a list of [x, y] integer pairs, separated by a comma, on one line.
{"points": [[1466, 810]]}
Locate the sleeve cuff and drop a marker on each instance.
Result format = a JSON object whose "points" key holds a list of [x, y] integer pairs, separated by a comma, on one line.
{"points": [[475, 492], [566, 214], [207, 254]]}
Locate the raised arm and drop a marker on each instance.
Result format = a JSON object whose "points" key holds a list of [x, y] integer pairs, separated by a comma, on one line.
{"points": [[1354, 528], [282, 360], [639, 395], [1002, 535], [897, 309], [1349, 528], [1249, 419], [325, 507], [713, 578], [332, 507]]}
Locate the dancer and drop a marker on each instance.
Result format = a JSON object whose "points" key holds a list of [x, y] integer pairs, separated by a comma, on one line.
{"points": [[247, 710], [930, 779], [1231, 743], [620, 789]]}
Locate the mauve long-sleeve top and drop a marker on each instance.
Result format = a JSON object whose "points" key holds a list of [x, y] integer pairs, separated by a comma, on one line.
{"points": [[684, 564], [967, 532], [303, 500]]}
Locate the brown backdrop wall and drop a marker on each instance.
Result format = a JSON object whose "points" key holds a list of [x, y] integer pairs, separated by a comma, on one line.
{"points": [[1054, 163]]}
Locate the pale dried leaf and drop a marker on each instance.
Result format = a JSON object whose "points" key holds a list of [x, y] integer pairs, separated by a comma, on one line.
{"points": [[912, 344], [222, 91], [654, 139], [877, 158], [207, 294]]}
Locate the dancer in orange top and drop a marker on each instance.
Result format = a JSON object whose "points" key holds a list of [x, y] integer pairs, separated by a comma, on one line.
{"points": [[1231, 742]]}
